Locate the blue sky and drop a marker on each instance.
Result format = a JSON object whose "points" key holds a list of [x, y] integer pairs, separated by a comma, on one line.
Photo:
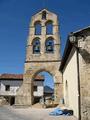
{"points": [[14, 26], [48, 79]]}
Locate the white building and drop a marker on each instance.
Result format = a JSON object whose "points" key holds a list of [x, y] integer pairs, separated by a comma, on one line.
{"points": [[38, 88], [10, 83]]}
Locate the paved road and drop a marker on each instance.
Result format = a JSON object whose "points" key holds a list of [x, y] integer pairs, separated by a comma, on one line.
{"points": [[10, 113]]}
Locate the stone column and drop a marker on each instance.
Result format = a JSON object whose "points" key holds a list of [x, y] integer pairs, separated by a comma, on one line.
{"points": [[58, 87], [25, 93]]}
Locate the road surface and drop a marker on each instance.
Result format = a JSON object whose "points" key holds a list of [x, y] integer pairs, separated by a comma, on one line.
{"points": [[12, 113]]}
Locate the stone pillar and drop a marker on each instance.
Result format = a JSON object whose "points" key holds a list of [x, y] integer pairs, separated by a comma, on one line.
{"points": [[24, 95], [58, 87], [84, 61], [58, 92]]}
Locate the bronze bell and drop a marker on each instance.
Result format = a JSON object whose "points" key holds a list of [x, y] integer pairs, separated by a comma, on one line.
{"points": [[49, 47]]}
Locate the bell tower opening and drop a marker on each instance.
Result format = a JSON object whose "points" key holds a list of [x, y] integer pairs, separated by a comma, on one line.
{"points": [[49, 27], [37, 26], [36, 46], [49, 45], [44, 15]]}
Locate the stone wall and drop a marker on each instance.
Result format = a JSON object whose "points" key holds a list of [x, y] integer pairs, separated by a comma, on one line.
{"points": [[84, 60]]}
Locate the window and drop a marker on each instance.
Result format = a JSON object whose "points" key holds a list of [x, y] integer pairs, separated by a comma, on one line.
{"points": [[49, 27], [37, 28], [44, 15], [36, 46], [35, 88], [49, 45], [7, 88]]}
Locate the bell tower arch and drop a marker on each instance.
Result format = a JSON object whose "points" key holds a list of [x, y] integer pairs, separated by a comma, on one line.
{"points": [[42, 53]]}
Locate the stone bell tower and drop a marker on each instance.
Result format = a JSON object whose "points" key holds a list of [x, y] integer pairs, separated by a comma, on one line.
{"points": [[42, 54]]}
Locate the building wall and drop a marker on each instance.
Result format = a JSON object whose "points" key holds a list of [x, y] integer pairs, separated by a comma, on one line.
{"points": [[70, 82], [40, 89], [14, 85], [84, 68]]}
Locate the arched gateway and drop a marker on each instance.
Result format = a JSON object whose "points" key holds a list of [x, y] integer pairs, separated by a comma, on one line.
{"points": [[42, 54]]}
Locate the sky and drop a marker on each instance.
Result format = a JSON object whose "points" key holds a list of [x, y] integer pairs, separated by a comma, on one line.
{"points": [[48, 79], [15, 18]]}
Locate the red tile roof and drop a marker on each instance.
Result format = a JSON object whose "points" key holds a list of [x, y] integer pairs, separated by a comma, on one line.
{"points": [[11, 76], [19, 77]]}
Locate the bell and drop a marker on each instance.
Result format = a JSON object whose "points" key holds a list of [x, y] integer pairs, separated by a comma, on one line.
{"points": [[49, 47], [37, 48]]}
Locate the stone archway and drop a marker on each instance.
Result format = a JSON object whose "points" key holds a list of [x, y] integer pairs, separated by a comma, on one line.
{"points": [[43, 86], [58, 88], [25, 93]]}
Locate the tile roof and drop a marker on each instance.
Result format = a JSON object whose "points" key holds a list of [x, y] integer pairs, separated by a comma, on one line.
{"points": [[11, 76], [6, 76]]}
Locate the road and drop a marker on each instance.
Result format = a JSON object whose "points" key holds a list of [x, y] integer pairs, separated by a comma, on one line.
{"points": [[11, 113]]}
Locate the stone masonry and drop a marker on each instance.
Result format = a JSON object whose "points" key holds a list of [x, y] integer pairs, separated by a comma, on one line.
{"points": [[84, 65], [36, 63]]}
